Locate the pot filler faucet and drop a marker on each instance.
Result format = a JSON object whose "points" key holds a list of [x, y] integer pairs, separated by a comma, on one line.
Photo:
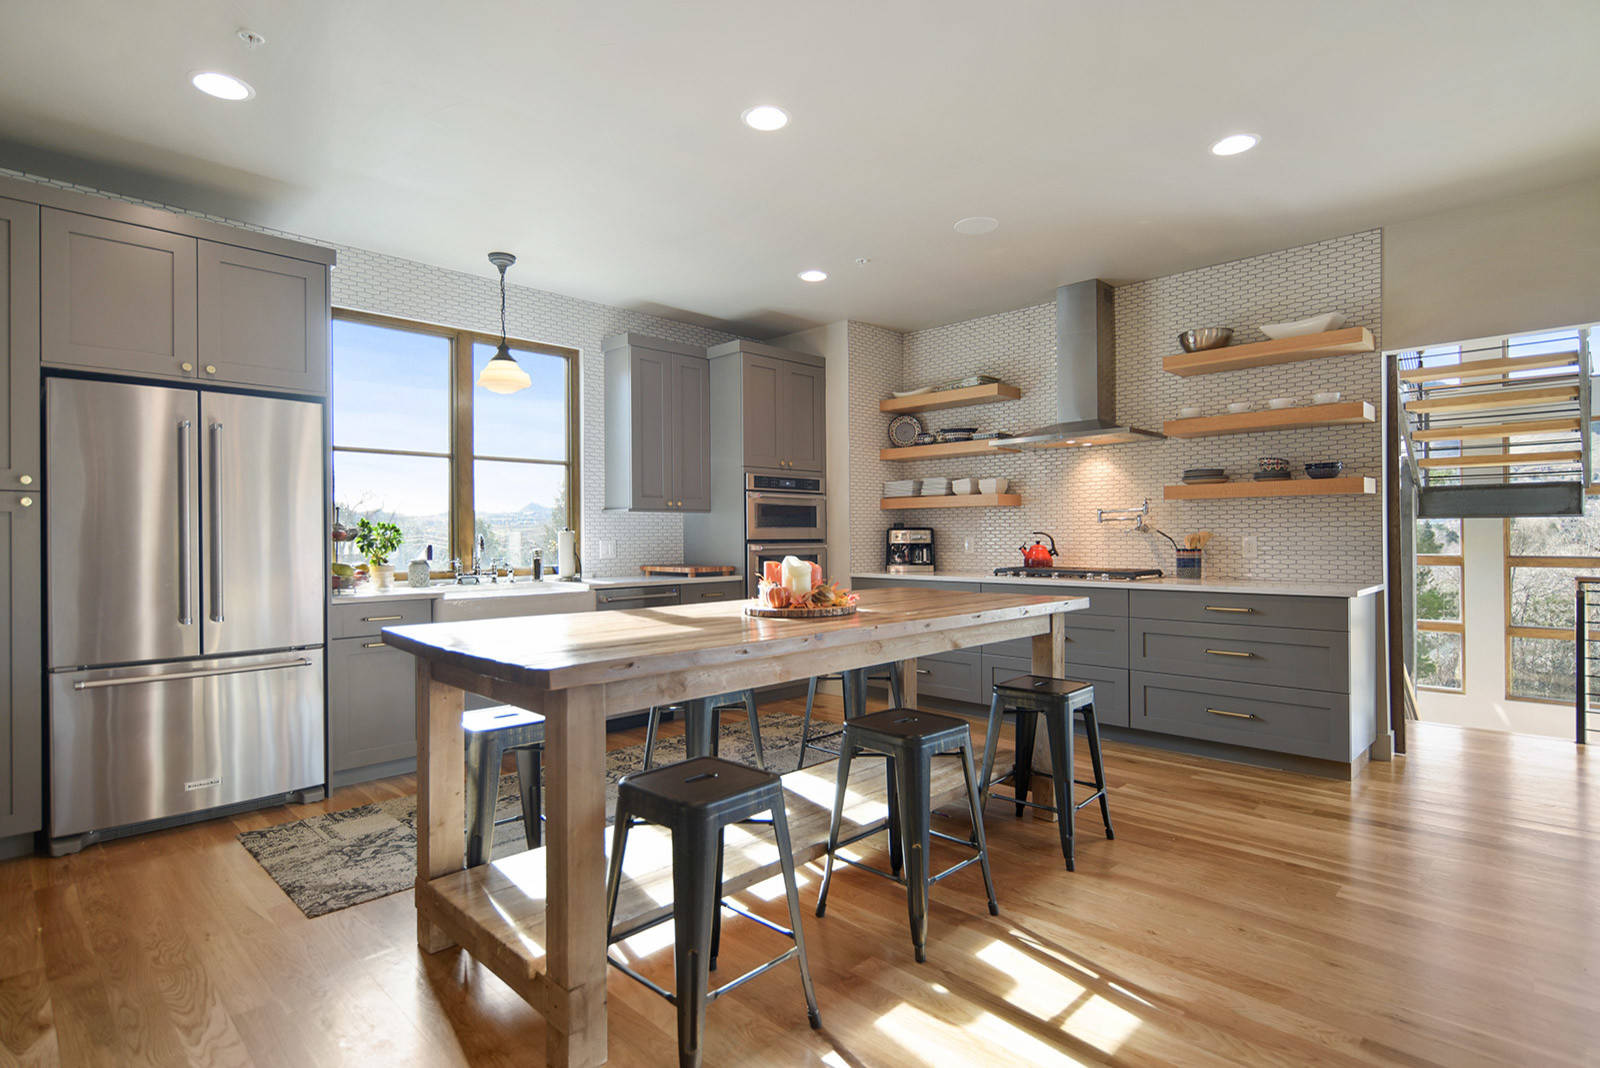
{"points": [[1137, 516]]}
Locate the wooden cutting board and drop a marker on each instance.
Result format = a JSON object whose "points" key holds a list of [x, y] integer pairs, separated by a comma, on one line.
{"points": [[688, 570], [764, 612]]}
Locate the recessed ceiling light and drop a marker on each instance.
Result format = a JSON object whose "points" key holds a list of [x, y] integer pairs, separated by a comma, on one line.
{"points": [[765, 117], [813, 275], [976, 224], [1234, 144], [222, 86]]}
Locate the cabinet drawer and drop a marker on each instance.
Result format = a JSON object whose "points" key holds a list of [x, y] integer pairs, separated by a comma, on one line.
{"points": [[1110, 685], [1306, 659], [372, 708], [1098, 640], [623, 598], [956, 676], [1102, 602], [1262, 717], [1261, 610], [367, 619], [732, 590]]}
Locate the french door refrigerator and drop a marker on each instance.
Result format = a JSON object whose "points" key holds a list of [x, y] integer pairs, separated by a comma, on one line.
{"points": [[184, 601]]}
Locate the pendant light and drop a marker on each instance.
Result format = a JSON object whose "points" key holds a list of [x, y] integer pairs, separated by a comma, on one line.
{"points": [[501, 374]]}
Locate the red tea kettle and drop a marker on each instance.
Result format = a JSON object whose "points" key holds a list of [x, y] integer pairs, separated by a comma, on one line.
{"points": [[1036, 555]]}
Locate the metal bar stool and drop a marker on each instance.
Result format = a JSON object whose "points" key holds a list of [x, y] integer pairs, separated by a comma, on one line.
{"points": [[700, 733], [491, 733], [910, 739], [855, 702], [697, 799], [1057, 700]]}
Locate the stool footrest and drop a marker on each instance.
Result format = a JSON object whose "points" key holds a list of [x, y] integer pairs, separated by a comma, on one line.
{"points": [[711, 995], [955, 868]]}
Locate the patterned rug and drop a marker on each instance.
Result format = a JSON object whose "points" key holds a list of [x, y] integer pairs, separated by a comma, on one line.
{"points": [[332, 861]]}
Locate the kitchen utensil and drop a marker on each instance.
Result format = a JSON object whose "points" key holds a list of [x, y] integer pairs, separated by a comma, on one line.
{"points": [[1281, 402], [1036, 555], [1198, 540], [1272, 465], [1189, 413], [1326, 398], [1205, 337], [1239, 407], [1316, 324], [1327, 469], [993, 485], [904, 430]]}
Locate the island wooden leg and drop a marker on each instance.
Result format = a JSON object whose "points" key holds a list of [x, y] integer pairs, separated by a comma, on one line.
{"points": [[441, 800], [575, 876], [908, 683], [1050, 659]]}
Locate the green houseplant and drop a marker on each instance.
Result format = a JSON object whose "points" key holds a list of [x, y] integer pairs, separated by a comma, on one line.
{"points": [[377, 541]]}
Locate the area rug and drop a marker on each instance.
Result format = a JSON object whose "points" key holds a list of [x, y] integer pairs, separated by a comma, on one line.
{"points": [[332, 861]]}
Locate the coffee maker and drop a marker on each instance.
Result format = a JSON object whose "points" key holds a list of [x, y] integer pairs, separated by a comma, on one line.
{"points": [[908, 550]]}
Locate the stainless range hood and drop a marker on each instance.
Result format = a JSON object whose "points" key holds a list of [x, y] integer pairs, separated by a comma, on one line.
{"points": [[1086, 376]]}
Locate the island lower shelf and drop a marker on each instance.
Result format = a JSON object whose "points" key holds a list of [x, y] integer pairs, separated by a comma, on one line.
{"points": [[1288, 487]]}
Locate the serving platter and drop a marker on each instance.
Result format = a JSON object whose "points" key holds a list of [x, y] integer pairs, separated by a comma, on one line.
{"points": [[763, 612]]}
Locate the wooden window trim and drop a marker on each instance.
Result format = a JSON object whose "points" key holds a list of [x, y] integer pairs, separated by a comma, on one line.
{"points": [[1448, 626], [1518, 630], [463, 513]]}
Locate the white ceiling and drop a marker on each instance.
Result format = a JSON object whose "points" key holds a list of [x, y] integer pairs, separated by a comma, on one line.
{"points": [[601, 141]]}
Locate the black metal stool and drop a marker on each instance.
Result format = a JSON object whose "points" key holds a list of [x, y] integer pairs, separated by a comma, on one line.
{"points": [[700, 728], [697, 799], [1057, 700], [855, 702], [909, 739], [491, 733]]}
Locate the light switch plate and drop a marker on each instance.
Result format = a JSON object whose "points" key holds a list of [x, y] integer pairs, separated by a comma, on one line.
{"points": [[608, 548]]}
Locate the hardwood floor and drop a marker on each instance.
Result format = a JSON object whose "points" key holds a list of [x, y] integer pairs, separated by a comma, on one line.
{"points": [[1440, 909]]}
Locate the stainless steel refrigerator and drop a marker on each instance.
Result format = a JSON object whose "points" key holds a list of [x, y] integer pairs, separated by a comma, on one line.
{"points": [[184, 601]]}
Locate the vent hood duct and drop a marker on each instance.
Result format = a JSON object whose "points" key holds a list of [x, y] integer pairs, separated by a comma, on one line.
{"points": [[1086, 375]]}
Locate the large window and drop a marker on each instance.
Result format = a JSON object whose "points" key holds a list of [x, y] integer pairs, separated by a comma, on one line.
{"points": [[415, 442], [1441, 623], [1543, 557]]}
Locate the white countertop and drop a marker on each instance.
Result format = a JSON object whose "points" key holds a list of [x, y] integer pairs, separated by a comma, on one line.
{"points": [[1217, 585], [524, 586], [660, 580]]}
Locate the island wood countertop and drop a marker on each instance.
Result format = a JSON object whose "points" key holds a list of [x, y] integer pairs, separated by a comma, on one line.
{"points": [[545, 937]]}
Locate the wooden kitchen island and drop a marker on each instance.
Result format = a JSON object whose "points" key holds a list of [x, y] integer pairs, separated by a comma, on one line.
{"points": [[538, 921]]}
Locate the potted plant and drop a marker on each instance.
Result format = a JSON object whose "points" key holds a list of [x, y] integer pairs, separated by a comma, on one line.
{"points": [[376, 541]]}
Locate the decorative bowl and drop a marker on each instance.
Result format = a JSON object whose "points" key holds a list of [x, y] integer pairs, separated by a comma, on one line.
{"points": [[1280, 402], [904, 429], [1316, 324], [1326, 398], [1189, 413], [1329, 469], [1272, 464], [1239, 407], [993, 485], [1205, 337]]}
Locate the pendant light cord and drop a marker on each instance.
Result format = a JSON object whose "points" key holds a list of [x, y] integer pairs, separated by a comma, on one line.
{"points": [[502, 306]]}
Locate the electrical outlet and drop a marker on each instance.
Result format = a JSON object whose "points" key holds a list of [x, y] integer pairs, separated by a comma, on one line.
{"points": [[608, 548], [1250, 547]]}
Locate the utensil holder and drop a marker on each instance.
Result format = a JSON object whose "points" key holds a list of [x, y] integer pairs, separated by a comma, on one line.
{"points": [[1189, 563]]}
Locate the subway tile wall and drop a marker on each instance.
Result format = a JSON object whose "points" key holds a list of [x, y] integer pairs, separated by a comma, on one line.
{"points": [[374, 282], [1336, 539]]}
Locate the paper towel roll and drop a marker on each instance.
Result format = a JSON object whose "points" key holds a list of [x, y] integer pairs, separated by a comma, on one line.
{"points": [[566, 554]]}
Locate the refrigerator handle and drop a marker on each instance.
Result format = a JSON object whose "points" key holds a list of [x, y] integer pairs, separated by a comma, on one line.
{"points": [[183, 676], [216, 522], [185, 525]]}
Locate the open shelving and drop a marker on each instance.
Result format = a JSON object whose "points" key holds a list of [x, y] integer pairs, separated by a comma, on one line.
{"points": [[1343, 413], [945, 450], [1271, 353], [938, 400], [958, 500], [1288, 487]]}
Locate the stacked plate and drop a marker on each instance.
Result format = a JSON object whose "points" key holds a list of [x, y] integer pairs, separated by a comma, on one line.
{"points": [[1204, 476], [901, 487], [935, 487]]}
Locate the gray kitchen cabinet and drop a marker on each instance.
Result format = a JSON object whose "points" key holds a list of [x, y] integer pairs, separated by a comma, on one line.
{"points": [[781, 405], [263, 319], [21, 653], [19, 345], [630, 598], [801, 419], [763, 405], [699, 592], [658, 432], [117, 297], [372, 710]]}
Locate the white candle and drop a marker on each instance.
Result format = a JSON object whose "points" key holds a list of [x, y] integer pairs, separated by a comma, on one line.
{"points": [[796, 576]]}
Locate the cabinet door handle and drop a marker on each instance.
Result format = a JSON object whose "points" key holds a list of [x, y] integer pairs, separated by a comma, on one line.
{"points": [[924, 671], [1230, 652], [372, 645], [380, 619], [712, 596], [1226, 608], [1230, 715]]}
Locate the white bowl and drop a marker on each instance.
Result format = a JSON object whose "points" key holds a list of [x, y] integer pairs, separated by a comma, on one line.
{"points": [[1316, 324], [1281, 402], [1188, 413], [1239, 407], [964, 485], [993, 485], [1326, 398]]}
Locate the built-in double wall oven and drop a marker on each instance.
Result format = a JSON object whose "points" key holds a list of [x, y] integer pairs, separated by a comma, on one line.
{"points": [[784, 515]]}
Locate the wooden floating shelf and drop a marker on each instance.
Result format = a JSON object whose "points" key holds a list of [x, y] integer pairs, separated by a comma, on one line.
{"points": [[1344, 413], [957, 500], [1270, 353], [1288, 487], [943, 450], [940, 399]]}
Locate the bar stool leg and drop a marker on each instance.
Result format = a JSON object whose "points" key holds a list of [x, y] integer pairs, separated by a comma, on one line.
{"points": [[780, 832], [695, 906], [755, 728], [896, 837], [716, 911], [619, 841], [652, 723], [896, 690], [1091, 730], [914, 802], [842, 781], [1058, 729], [991, 743], [700, 728], [531, 786], [805, 724], [483, 791], [1027, 728], [975, 806]]}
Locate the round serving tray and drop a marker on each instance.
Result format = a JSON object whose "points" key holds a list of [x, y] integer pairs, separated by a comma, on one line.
{"points": [[763, 612]]}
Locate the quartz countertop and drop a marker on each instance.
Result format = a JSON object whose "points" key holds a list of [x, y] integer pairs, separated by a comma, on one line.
{"points": [[1211, 585], [660, 580], [524, 586]]}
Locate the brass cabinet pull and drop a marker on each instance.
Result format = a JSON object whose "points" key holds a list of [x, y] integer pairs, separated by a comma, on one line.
{"points": [[1229, 652], [1231, 715], [380, 619], [924, 671], [371, 645], [1225, 608], [712, 596]]}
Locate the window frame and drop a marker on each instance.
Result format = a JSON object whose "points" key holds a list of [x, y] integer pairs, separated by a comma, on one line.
{"points": [[1514, 630], [1444, 626], [461, 457]]}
